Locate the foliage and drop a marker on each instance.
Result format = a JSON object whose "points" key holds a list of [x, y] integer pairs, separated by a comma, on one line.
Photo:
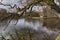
{"points": [[50, 2], [58, 37]]}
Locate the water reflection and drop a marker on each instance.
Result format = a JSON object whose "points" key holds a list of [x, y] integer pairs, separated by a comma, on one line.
{"points": [[21, 23], [7, 26]]}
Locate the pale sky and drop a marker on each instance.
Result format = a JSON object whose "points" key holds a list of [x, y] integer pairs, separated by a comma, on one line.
{"points": [[56, 1], [0, 0], [18, 4]]}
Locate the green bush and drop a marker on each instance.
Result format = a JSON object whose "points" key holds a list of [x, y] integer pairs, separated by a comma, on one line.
{"points": [[50, 2]]}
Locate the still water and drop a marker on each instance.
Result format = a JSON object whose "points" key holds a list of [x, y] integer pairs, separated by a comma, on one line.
{"points": [[9, 25]]}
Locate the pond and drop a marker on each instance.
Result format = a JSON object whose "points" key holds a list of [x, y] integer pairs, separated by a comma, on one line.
{"points": [[9, 26]]}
